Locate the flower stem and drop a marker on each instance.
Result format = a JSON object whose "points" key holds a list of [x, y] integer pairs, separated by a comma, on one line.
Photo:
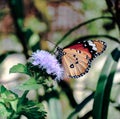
{"points": [[80, 25]]}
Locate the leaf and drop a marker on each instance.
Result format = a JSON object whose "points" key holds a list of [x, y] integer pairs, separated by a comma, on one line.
{"points": [[80, 106], [69, 92], [33, 110], [7, 95], [34, 42], [30, 84], [28, 108], [102, 94], [19, 68], [8, 98], [3, 111], [55, 108]]}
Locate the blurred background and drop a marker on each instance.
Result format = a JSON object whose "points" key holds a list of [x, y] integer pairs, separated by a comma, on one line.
{"points": [[41, 22]]}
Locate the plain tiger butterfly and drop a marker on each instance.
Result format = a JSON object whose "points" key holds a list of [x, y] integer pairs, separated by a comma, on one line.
{"points": [[76, 58]]}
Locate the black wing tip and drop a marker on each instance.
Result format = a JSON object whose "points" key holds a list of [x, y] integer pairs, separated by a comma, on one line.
{"points": [[104, 48]]}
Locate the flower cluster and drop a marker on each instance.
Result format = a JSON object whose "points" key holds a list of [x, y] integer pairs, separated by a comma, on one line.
{"points": [[47, 61]]}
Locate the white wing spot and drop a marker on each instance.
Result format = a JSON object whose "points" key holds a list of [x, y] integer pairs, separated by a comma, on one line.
{"points": [[94, 48]]}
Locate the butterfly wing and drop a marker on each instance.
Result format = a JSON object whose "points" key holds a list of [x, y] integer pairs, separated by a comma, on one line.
{"points": [[75, 63], [100, 47], [76, 59]]}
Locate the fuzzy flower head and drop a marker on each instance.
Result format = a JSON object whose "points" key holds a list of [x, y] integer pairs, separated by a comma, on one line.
{"points": [[47, 61]]}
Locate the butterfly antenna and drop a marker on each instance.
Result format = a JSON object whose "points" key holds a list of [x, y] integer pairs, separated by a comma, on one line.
{"points": [[54, 44], [51, 42]]}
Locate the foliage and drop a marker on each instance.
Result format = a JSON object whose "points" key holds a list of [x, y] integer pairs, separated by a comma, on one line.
{"points": [[13, 106], [104, 85]]}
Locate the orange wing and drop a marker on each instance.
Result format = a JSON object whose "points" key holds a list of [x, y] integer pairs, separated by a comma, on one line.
{"points": [[75, 62]]}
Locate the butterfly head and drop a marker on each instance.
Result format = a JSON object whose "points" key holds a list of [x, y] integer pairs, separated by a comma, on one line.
{"points": [[60, 51]]}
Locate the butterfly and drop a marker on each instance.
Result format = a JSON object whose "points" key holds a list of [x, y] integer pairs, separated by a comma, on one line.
{"points": [[76, 58]]}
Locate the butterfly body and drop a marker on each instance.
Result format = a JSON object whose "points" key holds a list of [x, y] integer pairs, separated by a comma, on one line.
{"points": [[76, 58]]}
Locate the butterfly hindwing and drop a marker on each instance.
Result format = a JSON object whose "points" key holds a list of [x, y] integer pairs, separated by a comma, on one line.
{"points": [[76, 58], [75, 63]]}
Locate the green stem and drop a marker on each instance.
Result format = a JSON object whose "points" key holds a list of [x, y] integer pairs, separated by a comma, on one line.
{"points": [[23, 96], [80, 25], [80, 106], [98, 36], [16, 9], [115, 12]]}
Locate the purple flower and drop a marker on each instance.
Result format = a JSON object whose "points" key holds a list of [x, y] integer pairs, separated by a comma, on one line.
{"points": [[47, 61]]}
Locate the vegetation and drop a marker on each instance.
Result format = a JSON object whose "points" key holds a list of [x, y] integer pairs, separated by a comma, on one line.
{"points": [[54, 99]]}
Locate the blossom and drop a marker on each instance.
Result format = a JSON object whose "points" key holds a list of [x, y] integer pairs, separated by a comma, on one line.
{"points": [[47, 61]]}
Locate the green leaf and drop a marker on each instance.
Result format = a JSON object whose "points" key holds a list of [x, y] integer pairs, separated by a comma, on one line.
{"points": [[102, 94], [28, 108], [69, 92], [80, 106], [9, 99], [3, 111], [34, 42], [55, 108], [14, 104], [19, 68], [7, 95], [30, 84], [33, 110]]}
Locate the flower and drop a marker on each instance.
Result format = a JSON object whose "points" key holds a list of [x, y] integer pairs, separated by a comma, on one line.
{"points": [[47, 61]]}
